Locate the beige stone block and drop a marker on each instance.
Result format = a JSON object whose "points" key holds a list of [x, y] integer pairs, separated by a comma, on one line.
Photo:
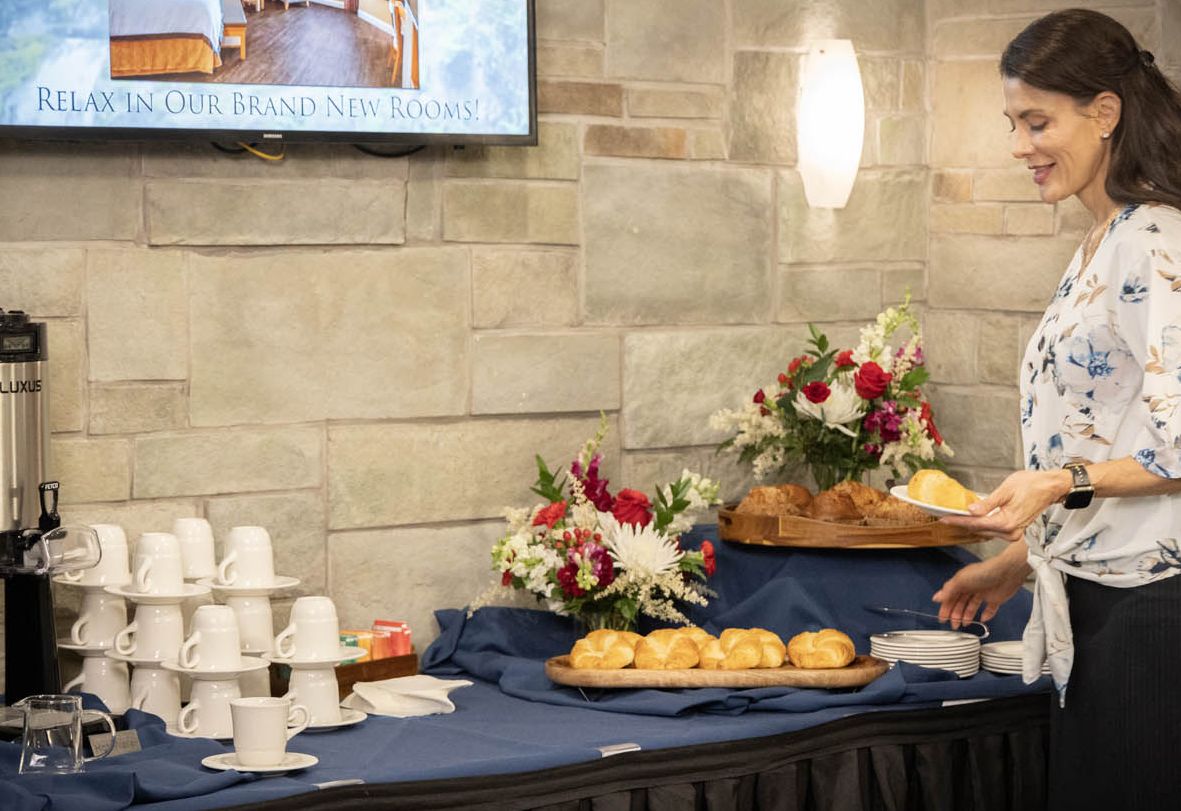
{"points": [[1031, 219], [1138, 19], [555, 157], [951, 186], [940, 9], [297, 525], [914, 86], [138, 315], [1014, 184], [136, 517], [689, 33], [570, 19], [967, 218], [43, 281], [91, 469], [636, 142], [950, 339], [857, 232], [567, 59], [898, 282], [707, 145], [229, 461], [881, 81], [508, 284], [67, 375], [902, 140], [674, 380], [134, 408], [1073, 219], [1170, 34], [982, 426], [524, 374], [996, 273], [510, 212], [360, 335], [955, 39], [646, 470], [1027, 6], [826, 293], [968, 128], [580, 98], [869, 141], [650, 102], [396, 573], [887, 25], [762, 126], [704, 259], [446, 471], [226, 212], [303, 161], [59, 191], [998, 354], [424, 196]]}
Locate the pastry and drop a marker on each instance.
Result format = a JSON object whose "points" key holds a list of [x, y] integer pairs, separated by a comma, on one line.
{"points": [[700, 636], [666, 649], [864, 497], [797, 495], [822, 649], [896, 511], [768, 501], [937, 488], [772, 647], [604, 650], [735, 649], [832, 506]]}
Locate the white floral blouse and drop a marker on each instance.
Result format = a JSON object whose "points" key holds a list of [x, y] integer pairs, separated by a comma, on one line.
{"points": [[1100, 380]]}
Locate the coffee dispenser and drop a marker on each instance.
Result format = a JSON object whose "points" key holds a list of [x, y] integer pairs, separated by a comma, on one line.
{"points": [[33, 544]]}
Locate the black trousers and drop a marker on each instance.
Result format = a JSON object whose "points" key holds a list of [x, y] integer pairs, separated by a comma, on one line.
{"points": [[1117, 743]]}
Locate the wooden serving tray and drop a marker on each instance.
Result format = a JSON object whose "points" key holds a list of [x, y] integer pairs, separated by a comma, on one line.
{"points": [[794, 530], [860, 672]]}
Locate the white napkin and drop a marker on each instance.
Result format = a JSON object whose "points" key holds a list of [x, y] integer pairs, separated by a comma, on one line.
{"points": [[404, 697]]}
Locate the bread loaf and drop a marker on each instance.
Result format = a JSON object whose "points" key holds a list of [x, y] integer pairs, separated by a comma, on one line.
{"points": [[768, 501], [832, 506], [895, 511], [823, 649], [864, 497], [667, 649], [937, 488], [797, 495], [604, 650]]}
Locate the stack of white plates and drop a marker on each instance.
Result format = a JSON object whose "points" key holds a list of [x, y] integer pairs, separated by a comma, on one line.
{"points": [[1004, 657], [945, 650]]}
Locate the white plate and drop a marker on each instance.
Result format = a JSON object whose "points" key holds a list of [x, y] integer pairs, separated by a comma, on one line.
{"points": [[348, 717], [343, 655], [898, 491], [927, 657], [291, 762], [1012, 648], [281, 582], [83, 650], [62, 581], [936, 637], [132, 659], [246, 664], [187, 592]]}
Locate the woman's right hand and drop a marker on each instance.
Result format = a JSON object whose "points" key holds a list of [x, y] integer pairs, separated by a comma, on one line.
{"points": [[990, 582]]}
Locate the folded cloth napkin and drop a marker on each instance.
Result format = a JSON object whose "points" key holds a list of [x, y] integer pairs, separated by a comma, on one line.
{"points": [[405, 696]]}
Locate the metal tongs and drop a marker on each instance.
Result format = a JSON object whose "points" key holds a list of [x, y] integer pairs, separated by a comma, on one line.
{"points": [[881, 609]]}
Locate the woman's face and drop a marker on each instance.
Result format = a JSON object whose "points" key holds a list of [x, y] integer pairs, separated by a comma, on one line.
{"points": [[1058, 140]]}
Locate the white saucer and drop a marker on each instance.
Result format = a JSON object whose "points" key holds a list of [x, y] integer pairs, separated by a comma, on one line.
{"points": [[898, 491], [343, 655], [197, 736], [62, 581], [348, 717], [83, 650], [132, 659], [187, 592], [281, 583], [246, 664], [291, 762]]}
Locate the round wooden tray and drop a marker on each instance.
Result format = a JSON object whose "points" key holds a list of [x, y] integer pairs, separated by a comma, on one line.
{"points": [[859, 672], [794, 530]]}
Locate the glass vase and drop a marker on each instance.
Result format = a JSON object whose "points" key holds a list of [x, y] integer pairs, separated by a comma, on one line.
{"points": [[606, 618]]}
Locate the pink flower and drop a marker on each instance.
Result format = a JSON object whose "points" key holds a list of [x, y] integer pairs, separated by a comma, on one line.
{"points": [[594, 487], [601, 565], [568, 580], [886, 422], [817, 391]]}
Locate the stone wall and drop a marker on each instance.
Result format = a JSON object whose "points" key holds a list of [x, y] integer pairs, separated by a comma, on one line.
{"points": [[363, 355]]}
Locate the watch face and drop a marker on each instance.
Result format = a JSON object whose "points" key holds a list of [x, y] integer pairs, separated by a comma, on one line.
{"points": [[1078, 499]]}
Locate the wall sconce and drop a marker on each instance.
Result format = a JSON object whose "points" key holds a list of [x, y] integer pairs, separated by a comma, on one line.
{"points": [[830, 123]]}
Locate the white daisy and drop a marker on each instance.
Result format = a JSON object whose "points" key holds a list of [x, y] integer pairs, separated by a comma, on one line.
{"points": [[640, 550]]}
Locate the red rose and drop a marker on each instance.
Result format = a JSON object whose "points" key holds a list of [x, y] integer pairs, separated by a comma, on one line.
{"points": [[550, 515], [782, 379], [794, 366], [844, 359], [925, 416], [711, 561], [760, 397], [817, 391], [870, 381], [632, 507]]}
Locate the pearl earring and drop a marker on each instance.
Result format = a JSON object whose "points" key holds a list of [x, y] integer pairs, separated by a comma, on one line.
{"points": [[1105, 135]]}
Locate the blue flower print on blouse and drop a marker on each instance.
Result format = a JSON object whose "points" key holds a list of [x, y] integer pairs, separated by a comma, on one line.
{"points": [[1097, 365], [1065, 288], [1168, 557], [1027, 410], [1171, 349], [1133, 290]]}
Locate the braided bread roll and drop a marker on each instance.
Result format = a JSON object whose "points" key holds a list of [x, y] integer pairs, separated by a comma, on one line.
{"points": [[823, 649], [604, 650], [774, 652], [667, 649], [735, 649]]}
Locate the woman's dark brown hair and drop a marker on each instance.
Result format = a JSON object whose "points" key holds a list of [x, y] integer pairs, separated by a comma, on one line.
{"points": [[1082, 53]]}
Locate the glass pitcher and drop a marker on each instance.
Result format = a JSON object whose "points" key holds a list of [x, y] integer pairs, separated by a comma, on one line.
{"points": [[52, 740]]}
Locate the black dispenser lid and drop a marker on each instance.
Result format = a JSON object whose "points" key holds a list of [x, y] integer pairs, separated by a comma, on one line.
{"points": [[21, 340]]}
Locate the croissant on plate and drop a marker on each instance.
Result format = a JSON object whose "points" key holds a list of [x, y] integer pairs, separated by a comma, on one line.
{"points": [[604, 650], [821, 649]]}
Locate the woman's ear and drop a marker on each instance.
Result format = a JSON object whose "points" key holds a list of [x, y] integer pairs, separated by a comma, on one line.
{"points": [[1107, 108]]}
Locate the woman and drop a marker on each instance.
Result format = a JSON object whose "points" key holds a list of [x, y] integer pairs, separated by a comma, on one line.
{"points": [[1093, 117]]}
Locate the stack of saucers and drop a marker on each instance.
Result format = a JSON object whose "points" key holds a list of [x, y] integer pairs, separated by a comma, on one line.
{"points": [[946, 650], [1005, 657]]}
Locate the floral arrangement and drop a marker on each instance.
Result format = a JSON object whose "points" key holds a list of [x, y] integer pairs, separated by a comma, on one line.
{"points": [[842, 412], [606, 559]]}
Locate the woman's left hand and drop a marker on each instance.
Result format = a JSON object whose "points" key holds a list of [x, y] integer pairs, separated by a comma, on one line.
{"points": [[1015, 504]]}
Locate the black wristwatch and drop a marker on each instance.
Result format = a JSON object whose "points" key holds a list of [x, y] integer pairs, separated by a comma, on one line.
{"points": [[1081, 489]]}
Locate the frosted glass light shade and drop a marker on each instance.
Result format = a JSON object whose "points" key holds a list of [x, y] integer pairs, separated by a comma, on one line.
{"points": [[830, 123]]}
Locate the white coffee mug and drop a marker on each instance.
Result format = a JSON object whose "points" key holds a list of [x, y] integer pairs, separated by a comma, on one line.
{"points": [[156, 568], [156, 633], [101, 616], [105, 678], [312, 633], [213, 644], [156, 690], [195, 537], [318, 690], [208, 712], [112, 566], [248, 560], [256, 622], [262, 728]]}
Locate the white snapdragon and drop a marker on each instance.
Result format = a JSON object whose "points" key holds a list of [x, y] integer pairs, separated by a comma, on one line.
{"points": [[518, 519], [749, 425], [768, 462]]}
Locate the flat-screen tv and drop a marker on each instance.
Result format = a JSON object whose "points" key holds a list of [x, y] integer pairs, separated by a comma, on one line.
{"points": [[363, 71]]}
